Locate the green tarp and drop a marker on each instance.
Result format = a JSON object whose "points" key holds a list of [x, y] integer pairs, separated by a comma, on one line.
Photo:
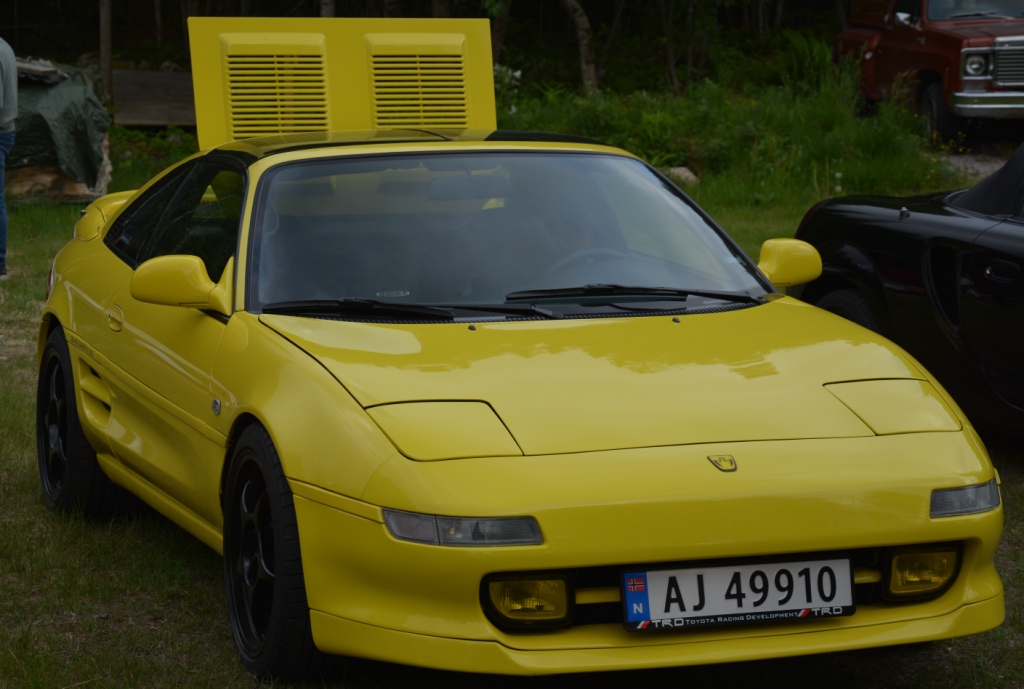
{"points": [[60, 124]]}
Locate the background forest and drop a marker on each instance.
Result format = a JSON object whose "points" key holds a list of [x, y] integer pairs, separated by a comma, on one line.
{"points": [[745, 93]]}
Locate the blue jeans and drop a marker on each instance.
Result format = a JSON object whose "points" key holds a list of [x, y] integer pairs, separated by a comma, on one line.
{"points": [[6, 144]]}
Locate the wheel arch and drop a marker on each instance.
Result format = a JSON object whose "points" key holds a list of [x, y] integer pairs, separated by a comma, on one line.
{"points": [[238, 426], [47, 324], [848, 266]]}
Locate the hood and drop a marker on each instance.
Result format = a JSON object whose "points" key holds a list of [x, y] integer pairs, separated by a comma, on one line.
{"points": [[579, 385], [980, 29]]}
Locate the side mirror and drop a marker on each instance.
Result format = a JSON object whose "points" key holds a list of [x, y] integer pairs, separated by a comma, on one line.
{"points": [[903, 19], [788, 262], [182, 281]]}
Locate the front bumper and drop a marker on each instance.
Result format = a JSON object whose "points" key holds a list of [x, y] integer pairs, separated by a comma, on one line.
{"points": [[999, 105], [373, 596]]}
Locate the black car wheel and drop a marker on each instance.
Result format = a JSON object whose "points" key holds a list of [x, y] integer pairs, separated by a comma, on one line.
{"points": [[853, 306], [939, 125], [70, 475], [263, 567]]}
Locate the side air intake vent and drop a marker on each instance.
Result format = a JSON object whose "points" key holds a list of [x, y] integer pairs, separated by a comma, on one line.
{"points": [[276, 94], [419, 91]]}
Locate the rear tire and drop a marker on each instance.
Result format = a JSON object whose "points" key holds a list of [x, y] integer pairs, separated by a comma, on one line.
{"points": [[939, 125], [71, 476], [853, 306], [263, 574]]}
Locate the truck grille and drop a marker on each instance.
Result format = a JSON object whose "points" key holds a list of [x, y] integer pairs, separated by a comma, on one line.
{"points": [[1009, 67]]}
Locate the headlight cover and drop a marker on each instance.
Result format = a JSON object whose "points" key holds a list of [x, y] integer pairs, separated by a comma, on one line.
{"points": [[976, 65], [463, 531], [952, 502]]}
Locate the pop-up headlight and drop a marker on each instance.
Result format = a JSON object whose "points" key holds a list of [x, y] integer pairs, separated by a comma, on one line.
{"points": [[463, 531]]}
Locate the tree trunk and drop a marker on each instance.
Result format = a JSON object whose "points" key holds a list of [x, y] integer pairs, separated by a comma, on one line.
{"points": [[392, 8], [498, 27], [778, 15], [841, 11], [326, 8], [584, 37], [619, 4], [244, 8], [106, 66], [442, 9], [667, 16], [158, 18]]}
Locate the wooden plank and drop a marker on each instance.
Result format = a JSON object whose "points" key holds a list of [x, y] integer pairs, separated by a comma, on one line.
{"points": [[146, 98]]}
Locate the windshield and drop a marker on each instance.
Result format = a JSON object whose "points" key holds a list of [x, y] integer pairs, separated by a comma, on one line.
{"points": [[473, 228], [939, 10]]}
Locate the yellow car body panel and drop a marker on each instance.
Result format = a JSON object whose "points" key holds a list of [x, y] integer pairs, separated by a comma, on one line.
{"points": [[616, 419]]}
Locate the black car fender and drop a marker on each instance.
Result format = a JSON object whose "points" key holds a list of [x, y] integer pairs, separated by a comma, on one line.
{"points": [[844, 266]]}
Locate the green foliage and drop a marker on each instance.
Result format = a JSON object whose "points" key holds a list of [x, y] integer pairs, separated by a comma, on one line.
{"points": [[796, 141], [139, 154]]}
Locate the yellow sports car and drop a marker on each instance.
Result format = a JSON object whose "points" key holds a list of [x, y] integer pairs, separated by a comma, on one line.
{"points": [[490, 401]]}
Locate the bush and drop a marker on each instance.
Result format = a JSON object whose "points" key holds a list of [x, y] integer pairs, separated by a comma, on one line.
{"points": [[793, 142]]}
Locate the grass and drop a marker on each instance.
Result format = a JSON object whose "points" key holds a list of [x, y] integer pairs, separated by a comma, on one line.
{"points": [[138, 602]]}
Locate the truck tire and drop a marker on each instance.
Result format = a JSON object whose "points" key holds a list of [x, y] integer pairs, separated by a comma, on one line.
{"points": [[939, 125]]}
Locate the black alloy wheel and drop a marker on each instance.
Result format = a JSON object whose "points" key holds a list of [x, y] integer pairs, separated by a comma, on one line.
{"points": [[252, 584], [70, 475], [53, 431], [263, 575]]}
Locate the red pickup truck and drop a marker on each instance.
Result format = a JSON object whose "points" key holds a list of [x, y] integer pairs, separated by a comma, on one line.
{"points": [[963, 58]]}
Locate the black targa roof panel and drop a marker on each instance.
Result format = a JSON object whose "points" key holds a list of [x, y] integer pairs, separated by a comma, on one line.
{"points": [[998, 194]]}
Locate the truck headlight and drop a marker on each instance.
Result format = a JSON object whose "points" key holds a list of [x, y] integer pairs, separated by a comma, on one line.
{"points": [[953, 502], [976, 65]]}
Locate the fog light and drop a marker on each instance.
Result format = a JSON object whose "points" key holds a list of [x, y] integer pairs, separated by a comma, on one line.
{"points": [[532, 600], [916, 573], [967, 500]]}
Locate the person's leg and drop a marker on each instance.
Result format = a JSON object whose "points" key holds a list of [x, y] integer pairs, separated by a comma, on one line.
{"points": [[6, 143]]}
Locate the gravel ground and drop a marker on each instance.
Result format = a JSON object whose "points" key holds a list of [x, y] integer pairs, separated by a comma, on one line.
{"points": [[976, 165]]}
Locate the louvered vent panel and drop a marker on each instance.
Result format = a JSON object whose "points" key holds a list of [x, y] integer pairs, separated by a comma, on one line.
{"points": [[276, 94], [1010, 67], [419, 91]]}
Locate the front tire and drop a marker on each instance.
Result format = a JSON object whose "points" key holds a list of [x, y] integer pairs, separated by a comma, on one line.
{"points": [[853, 306], [263, 574], [70, 475], [939, 125]]}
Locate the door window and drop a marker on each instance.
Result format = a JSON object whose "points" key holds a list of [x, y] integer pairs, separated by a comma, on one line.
{"points": [[202, 218], [133, 228]]}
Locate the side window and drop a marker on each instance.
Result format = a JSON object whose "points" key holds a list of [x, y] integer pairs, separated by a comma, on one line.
{"points": [[202, 218], [129, 234]]}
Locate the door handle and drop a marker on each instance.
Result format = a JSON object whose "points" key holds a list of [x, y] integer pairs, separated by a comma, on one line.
{"points": [[1002, 271], [115, 318]]}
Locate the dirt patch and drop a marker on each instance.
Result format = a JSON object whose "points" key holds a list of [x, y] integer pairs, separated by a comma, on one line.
{"points": [[975, 166]]}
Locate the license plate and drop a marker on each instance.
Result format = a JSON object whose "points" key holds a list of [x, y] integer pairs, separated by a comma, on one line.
{"points": [[732, 594]]}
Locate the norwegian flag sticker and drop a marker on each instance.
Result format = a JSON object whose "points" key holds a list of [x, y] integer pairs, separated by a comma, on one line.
{"points": [[638, 607]]}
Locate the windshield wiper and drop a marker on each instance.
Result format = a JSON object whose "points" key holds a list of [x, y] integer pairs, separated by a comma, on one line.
{"points": [[356, 305], [515, 309], [625, 290], [976, 14]]}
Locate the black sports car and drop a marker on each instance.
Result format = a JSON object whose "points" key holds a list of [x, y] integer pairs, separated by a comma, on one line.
{"points": [[942, 275]]}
